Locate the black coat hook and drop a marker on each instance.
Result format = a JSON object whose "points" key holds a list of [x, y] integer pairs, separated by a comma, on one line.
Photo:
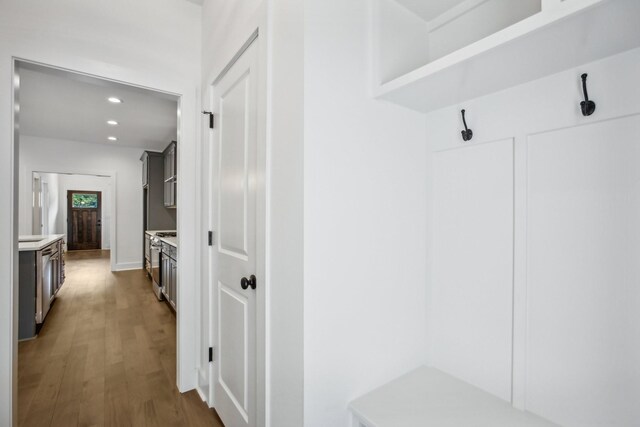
{"points": [[467, 133], [587, 106]]}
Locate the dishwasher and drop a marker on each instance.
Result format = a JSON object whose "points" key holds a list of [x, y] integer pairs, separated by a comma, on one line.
{"points": [[47, 281]]}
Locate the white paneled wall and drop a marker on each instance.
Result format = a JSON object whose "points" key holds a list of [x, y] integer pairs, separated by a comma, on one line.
{"points": [[583, 311], [473, 264], [364, 209], [571, 287]]}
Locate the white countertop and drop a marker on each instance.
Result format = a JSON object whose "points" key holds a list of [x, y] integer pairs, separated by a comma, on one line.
{"points": [[173, 241], [153, 232], [36, 245], [428, 397]]}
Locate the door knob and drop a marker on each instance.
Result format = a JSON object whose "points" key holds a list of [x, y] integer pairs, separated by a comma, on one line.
{"points": [[251, 281]]}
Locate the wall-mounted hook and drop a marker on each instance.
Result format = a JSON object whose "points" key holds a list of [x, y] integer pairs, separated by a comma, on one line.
{"points": [[587, 106], [467, 133]]}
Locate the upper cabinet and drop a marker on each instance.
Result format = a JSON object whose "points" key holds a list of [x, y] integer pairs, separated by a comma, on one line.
{"points": [[156, 214], [432, 54], [170, 175]]}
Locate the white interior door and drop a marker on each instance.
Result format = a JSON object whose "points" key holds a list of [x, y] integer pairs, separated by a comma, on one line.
{"points": [[236, 145]]}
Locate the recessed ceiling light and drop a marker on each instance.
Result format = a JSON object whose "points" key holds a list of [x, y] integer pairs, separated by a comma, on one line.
{"points": [[112, 122], [115, 100], [112, 138]]}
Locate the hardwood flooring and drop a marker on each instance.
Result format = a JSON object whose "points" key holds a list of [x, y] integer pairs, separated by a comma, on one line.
{"points": [[106, 356]]}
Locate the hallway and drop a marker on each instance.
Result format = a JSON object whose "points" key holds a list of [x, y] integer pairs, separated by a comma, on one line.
{"points": [[106, 355]]}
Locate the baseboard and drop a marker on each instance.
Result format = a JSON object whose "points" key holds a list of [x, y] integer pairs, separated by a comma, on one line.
{"points": [[123, 266], [202, 394]]}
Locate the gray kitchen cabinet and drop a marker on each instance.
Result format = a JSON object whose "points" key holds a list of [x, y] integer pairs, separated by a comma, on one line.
{"points": [[170, 175], [173, 268], [165, 277], [59, 267], [41, 275], [147, 253], [156, 216], [169, 274]]}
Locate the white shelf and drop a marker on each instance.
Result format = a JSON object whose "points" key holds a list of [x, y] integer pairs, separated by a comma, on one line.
{"points": [[428, 397], [556, 39]]}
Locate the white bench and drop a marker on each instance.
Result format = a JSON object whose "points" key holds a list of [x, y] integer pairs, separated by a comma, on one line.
{"points": [[428, 397]]}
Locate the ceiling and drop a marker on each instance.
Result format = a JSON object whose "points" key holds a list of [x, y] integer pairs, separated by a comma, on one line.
{"points": [[64, 105], [431, 9]]}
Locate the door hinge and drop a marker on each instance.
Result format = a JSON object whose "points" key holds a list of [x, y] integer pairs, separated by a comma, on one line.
{"points": [[211, 120], [210, 354], [210, 238]]}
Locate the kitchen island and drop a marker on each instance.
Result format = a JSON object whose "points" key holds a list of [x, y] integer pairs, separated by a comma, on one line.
{"points": [[41, 269]]}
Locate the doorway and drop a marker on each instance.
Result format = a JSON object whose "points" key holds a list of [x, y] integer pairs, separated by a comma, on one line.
{"points": [[84, 220], [52, 215], [44, 149]]}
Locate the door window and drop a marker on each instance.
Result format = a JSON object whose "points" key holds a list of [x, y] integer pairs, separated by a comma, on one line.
{"points": [[84, 200]]}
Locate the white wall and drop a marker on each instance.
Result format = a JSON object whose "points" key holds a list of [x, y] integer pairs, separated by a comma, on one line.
{"points": [[151, 43], [285, 215], [59, 184], [365, 209], [53, 202], [86, 183], [123, 163], [95, 183], [574, 178], [349, 156]]}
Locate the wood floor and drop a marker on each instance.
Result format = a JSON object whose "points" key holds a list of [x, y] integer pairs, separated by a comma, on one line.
{"points": [[106, 356]]}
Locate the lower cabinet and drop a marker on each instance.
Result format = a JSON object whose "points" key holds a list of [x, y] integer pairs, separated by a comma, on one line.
{"points": [[173, 268], [169, 274]]}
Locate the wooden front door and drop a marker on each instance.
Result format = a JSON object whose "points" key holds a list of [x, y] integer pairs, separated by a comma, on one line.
{"points": [[84, 220]]}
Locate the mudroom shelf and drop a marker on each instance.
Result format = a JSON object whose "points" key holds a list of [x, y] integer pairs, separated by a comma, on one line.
{"points": [[559, 36]]}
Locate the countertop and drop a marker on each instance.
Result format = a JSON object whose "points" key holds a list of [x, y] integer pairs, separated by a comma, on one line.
{"points": [[173, 241], [38, 244], [153, 232]]}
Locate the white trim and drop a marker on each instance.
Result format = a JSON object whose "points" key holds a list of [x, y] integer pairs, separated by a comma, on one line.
{"points": [[263, 395], [202, 393], [237, 56], [10, 411], [94, 76], [126, 266]]}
